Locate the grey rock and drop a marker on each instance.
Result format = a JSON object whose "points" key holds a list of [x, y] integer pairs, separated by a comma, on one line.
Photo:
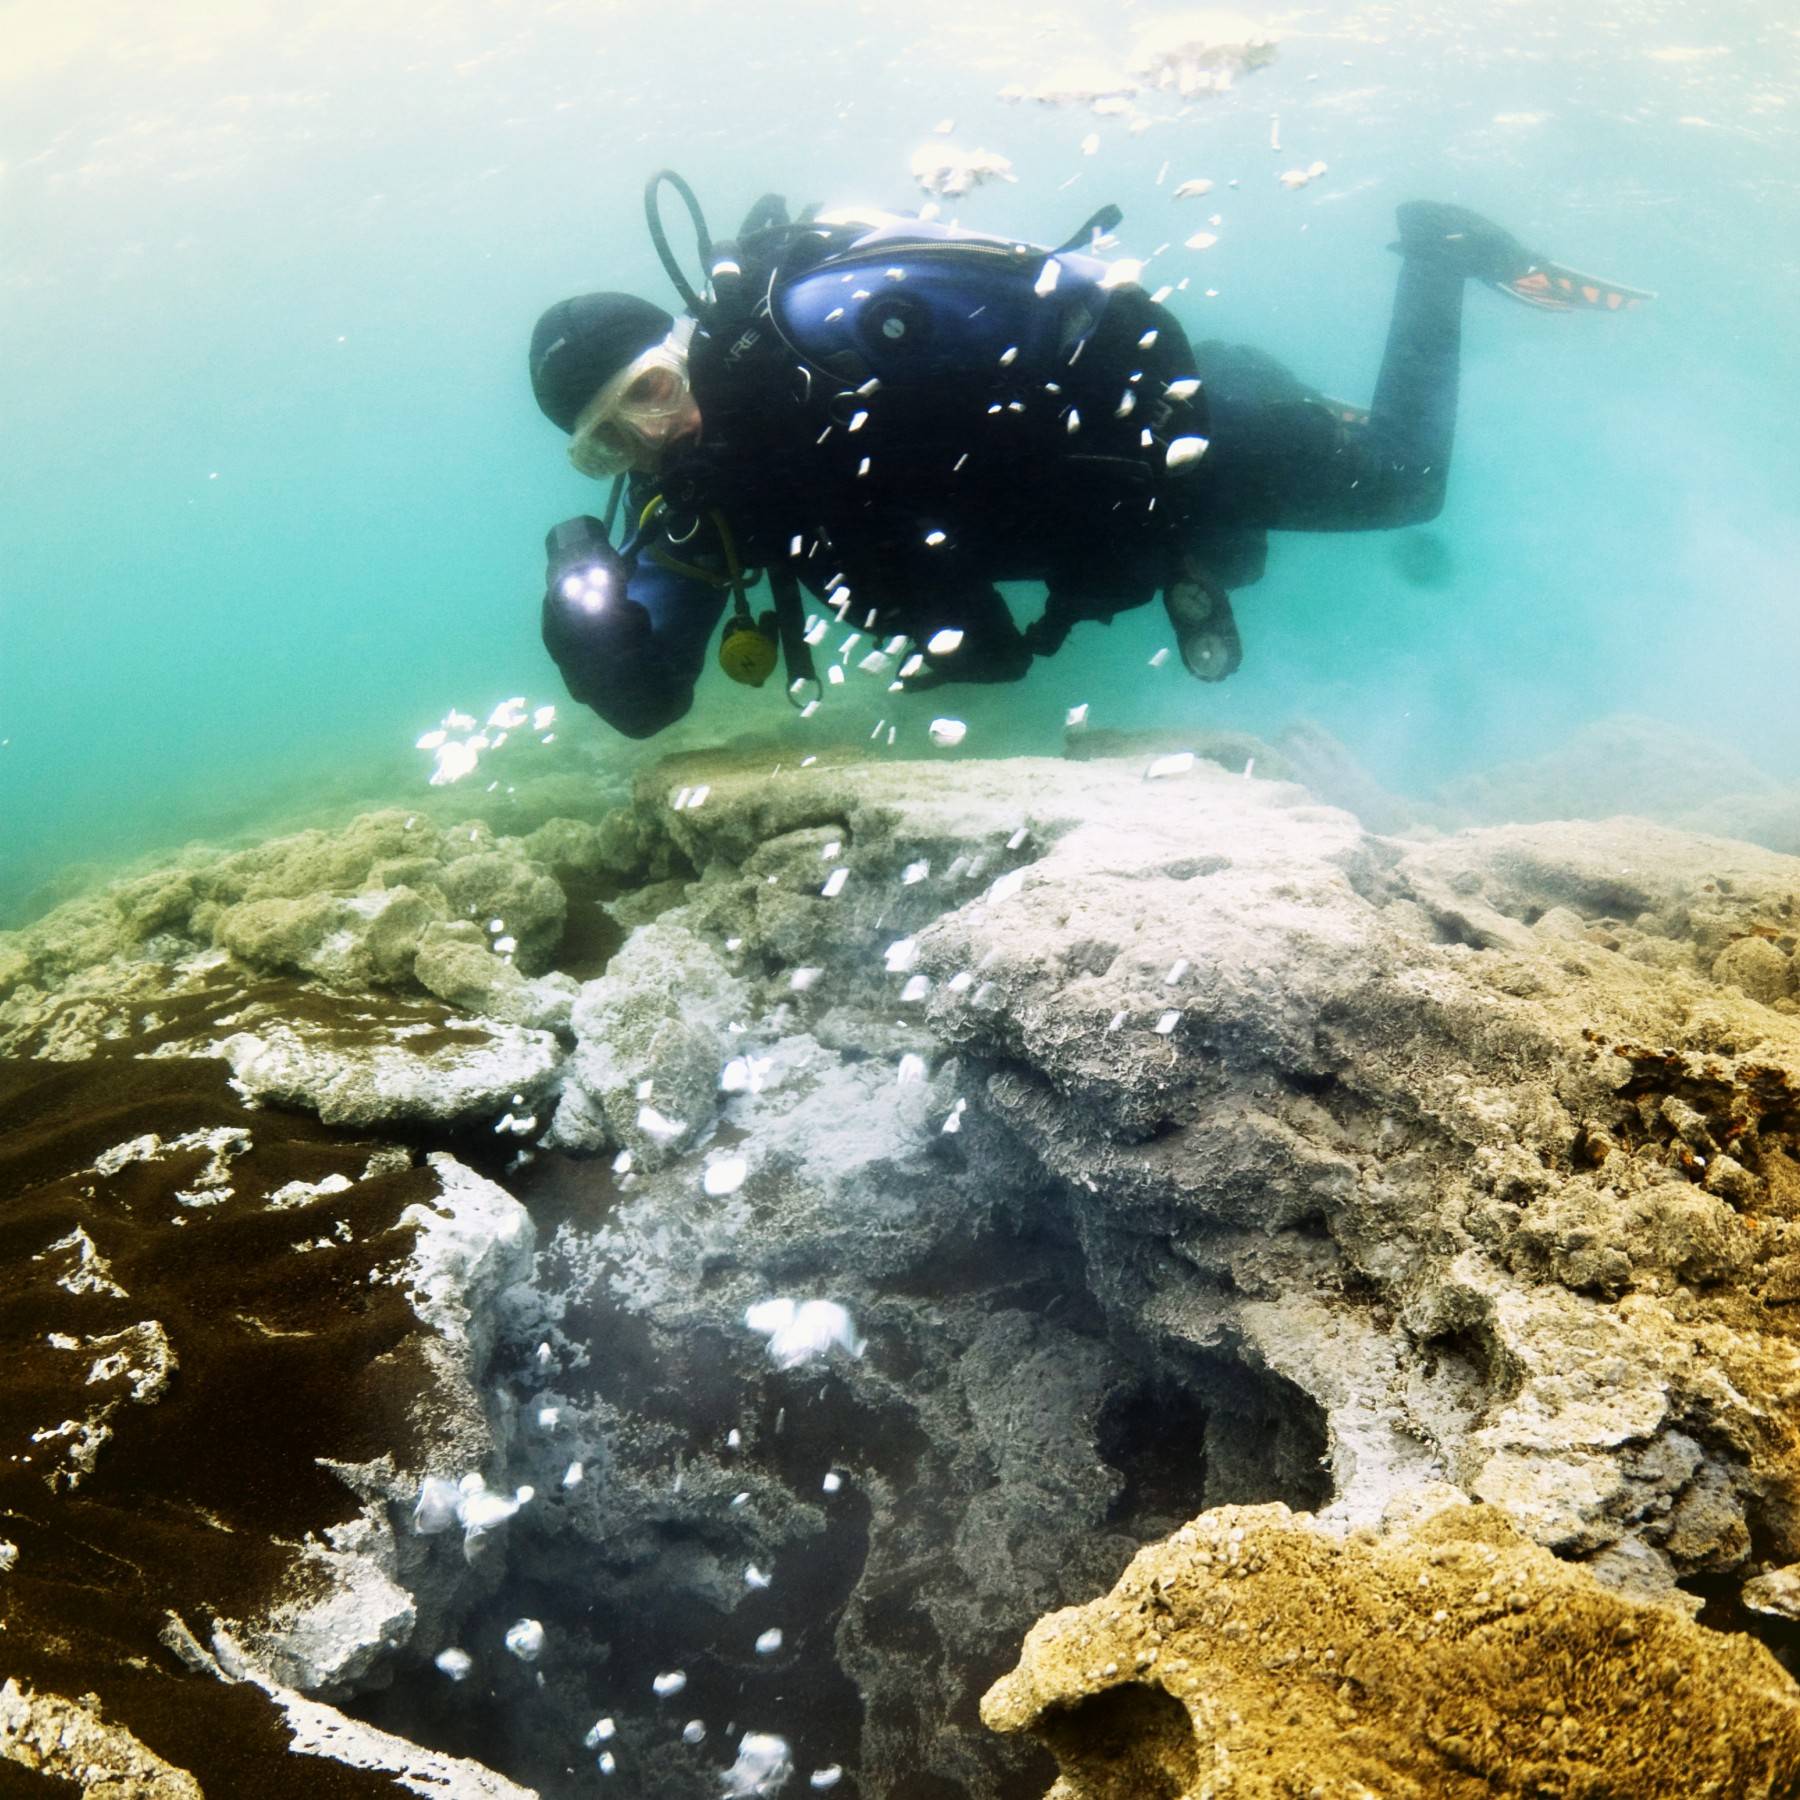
{"points": [[459, 1072], [1423, 1158], [454, 962], [530, 907], [661, 1015]]}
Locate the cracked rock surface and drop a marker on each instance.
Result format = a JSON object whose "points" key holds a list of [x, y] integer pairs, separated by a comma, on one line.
{"points": [[1471, 1159]]}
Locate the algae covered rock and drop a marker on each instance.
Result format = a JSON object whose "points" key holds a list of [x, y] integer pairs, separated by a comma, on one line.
{"points": [[1255, 1656], [356, 940], [70, 1741], [522, 903], [652, 1036], [236, 1340], [454, 963], [350, 907], [1758, 968], [1172, 1143]]}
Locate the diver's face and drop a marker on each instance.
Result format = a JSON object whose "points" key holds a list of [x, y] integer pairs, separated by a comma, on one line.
{"points": [[655, 415], [661, 436], [642, 428]]}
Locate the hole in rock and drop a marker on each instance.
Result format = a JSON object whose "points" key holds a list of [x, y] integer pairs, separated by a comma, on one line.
{"points": [[591, 935], [1129, 1743], [902, 1590], [1464, 1363], [1314, 1225], [1722, 1609], [1451, 929], [1221, 1435]]}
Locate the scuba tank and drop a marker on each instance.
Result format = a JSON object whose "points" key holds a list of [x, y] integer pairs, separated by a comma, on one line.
{"points": [[880, 342], [896, 365]]}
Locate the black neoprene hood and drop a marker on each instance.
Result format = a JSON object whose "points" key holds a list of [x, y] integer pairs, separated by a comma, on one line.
{"points": [[580, 344]]}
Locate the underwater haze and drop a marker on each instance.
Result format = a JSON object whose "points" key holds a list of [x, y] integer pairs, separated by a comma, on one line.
{"points": [[275, 486]]}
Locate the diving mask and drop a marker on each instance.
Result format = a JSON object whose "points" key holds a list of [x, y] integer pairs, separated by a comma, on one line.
{"points": [[633, 412]]}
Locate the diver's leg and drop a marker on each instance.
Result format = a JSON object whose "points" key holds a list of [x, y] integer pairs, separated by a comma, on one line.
{"points": [[1285, 458], [1412, 422], [1325, 467], [991, 647]]}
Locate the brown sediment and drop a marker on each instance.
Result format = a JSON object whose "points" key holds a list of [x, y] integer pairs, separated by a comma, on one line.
{"points": [[197, 1503]]}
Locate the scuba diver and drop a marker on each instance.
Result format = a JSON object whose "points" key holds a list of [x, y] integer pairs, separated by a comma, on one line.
{"points": [[895, 415]]}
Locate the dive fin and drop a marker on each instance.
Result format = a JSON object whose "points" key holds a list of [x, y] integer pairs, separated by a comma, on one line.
{"points": [[1206, 630], [1463, 242], [1106, 219], [1554, 287]]}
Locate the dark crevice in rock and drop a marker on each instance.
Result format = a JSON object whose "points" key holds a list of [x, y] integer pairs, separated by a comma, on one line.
{"points": [[1722, 1609], [662, 1587], [1452, 928], [1466, 1357], [591, 935], [1315, 1084], [1154, 1434], [559, 1188], [1313, 1225], [1132, 1742]]}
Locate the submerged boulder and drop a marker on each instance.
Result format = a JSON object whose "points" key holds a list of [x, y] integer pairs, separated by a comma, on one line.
{"points": [[652, 1036], [353, 940], [1255, 1655], [444, 1071]]}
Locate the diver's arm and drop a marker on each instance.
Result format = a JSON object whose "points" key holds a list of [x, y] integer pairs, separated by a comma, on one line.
{"points": [[634, 657]]}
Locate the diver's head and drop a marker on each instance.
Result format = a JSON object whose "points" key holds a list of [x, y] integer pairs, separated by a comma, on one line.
{"points": [[611, 370]]}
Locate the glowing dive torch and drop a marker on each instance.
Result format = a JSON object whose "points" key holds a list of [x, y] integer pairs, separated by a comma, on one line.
{"points": [[584, 568]]}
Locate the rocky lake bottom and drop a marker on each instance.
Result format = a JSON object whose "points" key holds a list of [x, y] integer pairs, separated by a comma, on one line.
{"points": [[1171, 1274]]}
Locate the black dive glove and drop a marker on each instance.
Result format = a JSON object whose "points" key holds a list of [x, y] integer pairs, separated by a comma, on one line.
{"points": [[587, 615]]}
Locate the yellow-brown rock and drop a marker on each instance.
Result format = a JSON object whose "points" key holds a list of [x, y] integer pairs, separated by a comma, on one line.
{"points": [[1255, 1656]]}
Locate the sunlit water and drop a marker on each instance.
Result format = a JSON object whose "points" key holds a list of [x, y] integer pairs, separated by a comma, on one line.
{"points": [[275, 485]]}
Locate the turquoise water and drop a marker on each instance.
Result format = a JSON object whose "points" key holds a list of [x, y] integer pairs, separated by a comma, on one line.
{"points": [[275, 488]]}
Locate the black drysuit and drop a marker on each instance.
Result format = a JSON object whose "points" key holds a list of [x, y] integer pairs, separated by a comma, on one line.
{"points": [[1052, 467]]}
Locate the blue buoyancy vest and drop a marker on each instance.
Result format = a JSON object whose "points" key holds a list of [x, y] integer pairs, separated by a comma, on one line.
{"points": [[892, 382], [911, 302]]}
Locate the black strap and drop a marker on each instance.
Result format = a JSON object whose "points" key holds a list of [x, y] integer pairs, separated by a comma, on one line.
{"points": [[790, 622], [660, 238], [1105, 219], [771, 209]]}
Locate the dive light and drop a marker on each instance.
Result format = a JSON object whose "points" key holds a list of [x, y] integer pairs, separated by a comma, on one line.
{"points": [[584, 570]]}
